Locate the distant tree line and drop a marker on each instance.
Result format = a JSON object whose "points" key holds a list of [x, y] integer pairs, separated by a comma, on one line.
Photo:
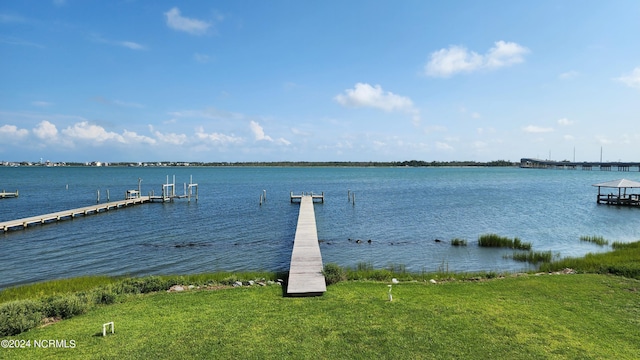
{"points": [[406, 163], [410, 163]]}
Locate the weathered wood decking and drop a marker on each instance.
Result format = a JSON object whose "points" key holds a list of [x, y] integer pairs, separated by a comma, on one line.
{"points": [[68, 214], [305, 272]]}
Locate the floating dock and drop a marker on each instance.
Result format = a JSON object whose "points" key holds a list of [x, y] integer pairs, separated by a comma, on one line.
{"points": [[70, 214], [5, 194], [305, 273]]}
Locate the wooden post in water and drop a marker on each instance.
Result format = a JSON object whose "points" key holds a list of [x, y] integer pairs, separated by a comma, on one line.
{"points": [[107, 195], [98, 197]]}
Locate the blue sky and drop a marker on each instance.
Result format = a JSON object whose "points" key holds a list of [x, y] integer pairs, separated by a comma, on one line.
{"points": [[319, 81]]}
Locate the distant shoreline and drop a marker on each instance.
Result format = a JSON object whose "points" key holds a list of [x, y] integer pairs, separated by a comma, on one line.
{"points": [[410, 163]]}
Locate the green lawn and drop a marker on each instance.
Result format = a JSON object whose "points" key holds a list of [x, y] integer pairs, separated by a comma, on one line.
{"points": [[582, 316]]}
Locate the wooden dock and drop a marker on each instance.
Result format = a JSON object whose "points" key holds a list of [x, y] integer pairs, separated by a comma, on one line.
{"points": [[528, 163], [5, 194], [625, 195], [69, 214], [305, 272]]}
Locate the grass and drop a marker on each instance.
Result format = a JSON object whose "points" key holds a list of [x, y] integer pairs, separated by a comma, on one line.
{"points": [[515, 317], [624, 260], [493, 240], [54, 287], [533, 257], [527, 317], [458, 242], [598, 240]]}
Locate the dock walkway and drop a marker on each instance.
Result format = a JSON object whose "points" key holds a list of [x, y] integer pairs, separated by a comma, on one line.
{"points": [[305, 272], [5, 194], [69, 214]]}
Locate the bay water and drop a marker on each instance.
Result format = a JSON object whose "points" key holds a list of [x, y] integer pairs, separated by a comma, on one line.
{"points": [[403, 211]]}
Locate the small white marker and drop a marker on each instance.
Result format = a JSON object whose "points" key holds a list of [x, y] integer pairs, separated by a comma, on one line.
{"points": [[104, 328]]}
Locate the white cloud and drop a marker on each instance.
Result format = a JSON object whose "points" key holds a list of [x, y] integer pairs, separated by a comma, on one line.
{"points": [[536, 129], [59, 2], [565, 122], [189, 25], [283, 141], [133, 138], [299, 132], [365, 95], [131, 45], [218, 138], [128, 44], [11, 132], [46, 131], [457, 59], [258, 133], [632, 79], [170, 138], [90, 132], [569, 137]]}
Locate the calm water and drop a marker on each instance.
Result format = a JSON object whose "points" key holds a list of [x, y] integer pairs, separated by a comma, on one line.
{"points": [[402, 211]]}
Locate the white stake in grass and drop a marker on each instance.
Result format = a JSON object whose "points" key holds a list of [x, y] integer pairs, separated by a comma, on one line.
{"points": [[104, 328]]}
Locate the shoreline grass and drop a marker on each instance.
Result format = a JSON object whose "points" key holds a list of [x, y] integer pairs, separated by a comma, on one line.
{"points": [[494, 240], [598, 240], [523, 317], [532, 257], [623, 260], [24, 308]]}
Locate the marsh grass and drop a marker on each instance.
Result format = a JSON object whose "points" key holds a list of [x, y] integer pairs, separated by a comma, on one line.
{"points": [[55, 287], [624, 260], [598, 240], [458, 242], [533, 257], [494, 240]]}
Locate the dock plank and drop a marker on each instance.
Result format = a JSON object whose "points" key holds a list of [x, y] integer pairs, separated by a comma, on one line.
{"points": [[61, 215], [305, 272]]}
